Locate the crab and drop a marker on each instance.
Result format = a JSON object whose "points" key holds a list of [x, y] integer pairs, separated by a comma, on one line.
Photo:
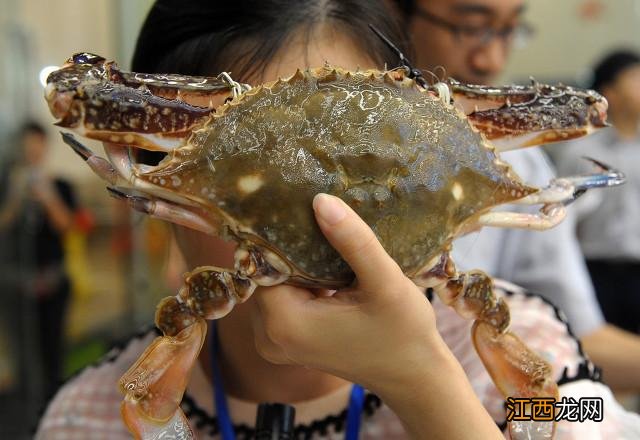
{"points": [[414, 161]]}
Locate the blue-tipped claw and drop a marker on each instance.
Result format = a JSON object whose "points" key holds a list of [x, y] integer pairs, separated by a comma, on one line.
{"points": [[607, 177]]}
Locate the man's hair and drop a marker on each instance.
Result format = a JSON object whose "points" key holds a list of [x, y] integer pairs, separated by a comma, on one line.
{"points": [[405, 7], [32, 127], [607, 70]]}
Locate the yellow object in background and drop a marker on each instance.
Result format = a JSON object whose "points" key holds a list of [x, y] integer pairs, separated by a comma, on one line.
{"points": [[77, 263]]}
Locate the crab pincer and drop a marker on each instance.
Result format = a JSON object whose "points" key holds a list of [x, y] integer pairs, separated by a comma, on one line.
{"points": [[417, 169]]}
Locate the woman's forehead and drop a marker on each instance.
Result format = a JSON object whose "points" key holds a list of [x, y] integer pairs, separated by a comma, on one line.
{"points": [[314, 50]]}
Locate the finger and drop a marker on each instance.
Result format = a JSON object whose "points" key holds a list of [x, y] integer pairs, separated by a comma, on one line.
{"points": [[265, 347], [356, 242], [280, 320], [281, 307]]}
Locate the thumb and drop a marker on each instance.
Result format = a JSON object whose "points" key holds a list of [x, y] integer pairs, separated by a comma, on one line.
{"points": [[355, 241]]}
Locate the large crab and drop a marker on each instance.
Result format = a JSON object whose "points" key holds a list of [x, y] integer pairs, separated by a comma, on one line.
{"points": [[416, 168]]}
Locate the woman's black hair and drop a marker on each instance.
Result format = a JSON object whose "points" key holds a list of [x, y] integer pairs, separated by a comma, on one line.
{"points": [[205, 37]]}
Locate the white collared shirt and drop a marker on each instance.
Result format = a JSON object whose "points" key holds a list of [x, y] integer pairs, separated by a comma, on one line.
{"points": [[609, 219]]}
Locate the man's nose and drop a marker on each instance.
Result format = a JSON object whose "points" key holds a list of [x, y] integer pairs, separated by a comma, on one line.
{"points": [[491, 58]]}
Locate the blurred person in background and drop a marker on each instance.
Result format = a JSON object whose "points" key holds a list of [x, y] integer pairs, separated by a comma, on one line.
{"points": [[36, 211], [472, 40], [609, 224]]}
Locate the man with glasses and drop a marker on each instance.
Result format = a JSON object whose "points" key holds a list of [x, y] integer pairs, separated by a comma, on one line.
{"points": [[470, 40]]}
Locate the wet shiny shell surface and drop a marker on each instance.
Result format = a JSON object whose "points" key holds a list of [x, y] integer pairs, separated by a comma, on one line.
{"points": [[411, 166]]}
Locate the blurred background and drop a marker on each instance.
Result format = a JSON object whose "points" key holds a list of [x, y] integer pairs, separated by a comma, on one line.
{"points": [[116, 260]]}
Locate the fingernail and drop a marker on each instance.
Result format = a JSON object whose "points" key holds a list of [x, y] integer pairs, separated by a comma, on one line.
{"points": [[328, 208]]}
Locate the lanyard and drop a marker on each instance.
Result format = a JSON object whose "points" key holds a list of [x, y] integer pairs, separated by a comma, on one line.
{"points": [[356, 398]]}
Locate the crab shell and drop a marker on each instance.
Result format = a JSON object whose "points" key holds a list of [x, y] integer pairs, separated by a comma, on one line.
{"points": [[409, 164]]}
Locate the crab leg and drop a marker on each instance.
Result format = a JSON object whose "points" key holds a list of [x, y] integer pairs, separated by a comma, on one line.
{"points": [[165, 210], [515, 369], [156, 112], [153, 387], [176, 427], [567, 189], [120, 171], [558, 194], [99, 165], [117, 170], [548, 217]]}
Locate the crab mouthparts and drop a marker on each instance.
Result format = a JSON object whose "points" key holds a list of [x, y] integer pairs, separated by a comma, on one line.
{"points": [[599, 113], [59, 103]]}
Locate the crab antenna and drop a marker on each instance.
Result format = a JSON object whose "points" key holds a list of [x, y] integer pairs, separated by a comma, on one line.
{"points": [[415, 74]]}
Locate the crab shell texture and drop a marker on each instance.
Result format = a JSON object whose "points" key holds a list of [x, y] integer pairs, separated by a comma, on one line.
{"points": [[410, 165]]}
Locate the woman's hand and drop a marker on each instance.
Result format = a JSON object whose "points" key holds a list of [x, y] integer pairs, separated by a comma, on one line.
{"points": [[378, 331]]}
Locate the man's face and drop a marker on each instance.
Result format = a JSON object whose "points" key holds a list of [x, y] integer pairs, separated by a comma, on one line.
{"points": [[464, 55]]}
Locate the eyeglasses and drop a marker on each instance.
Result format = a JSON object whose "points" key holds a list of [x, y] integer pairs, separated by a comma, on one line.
{"points": [[476, 37]]}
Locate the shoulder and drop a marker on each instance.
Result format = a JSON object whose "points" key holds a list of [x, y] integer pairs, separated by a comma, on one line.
{"points": [[90, 401]]}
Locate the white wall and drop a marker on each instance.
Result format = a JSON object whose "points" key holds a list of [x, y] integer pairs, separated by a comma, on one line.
{"points": [[567, 44]]}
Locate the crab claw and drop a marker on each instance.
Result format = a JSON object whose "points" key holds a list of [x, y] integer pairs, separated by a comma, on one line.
{"points": [[559, 193], [142, 428], [97, 100], [607, 177], [165, 210], [521, 116], [156, 382], [565, 190], [99, 165], [517, 372]]}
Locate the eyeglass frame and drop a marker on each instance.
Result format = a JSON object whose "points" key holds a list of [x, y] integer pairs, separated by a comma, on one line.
{"points": [[486, 34]]}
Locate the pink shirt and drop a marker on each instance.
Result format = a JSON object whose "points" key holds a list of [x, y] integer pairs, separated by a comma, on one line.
{"points": [[87, 407]]}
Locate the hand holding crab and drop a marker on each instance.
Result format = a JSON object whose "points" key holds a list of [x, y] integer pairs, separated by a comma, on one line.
{"points": [[380, 332], [332, 328], [415, 169]]}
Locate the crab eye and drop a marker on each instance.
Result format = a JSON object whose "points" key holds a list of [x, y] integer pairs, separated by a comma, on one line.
{"points": [[86, 58]]}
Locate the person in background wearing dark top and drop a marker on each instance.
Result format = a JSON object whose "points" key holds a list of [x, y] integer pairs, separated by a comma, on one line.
{"points": [[608, 226], [37, 210]]}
